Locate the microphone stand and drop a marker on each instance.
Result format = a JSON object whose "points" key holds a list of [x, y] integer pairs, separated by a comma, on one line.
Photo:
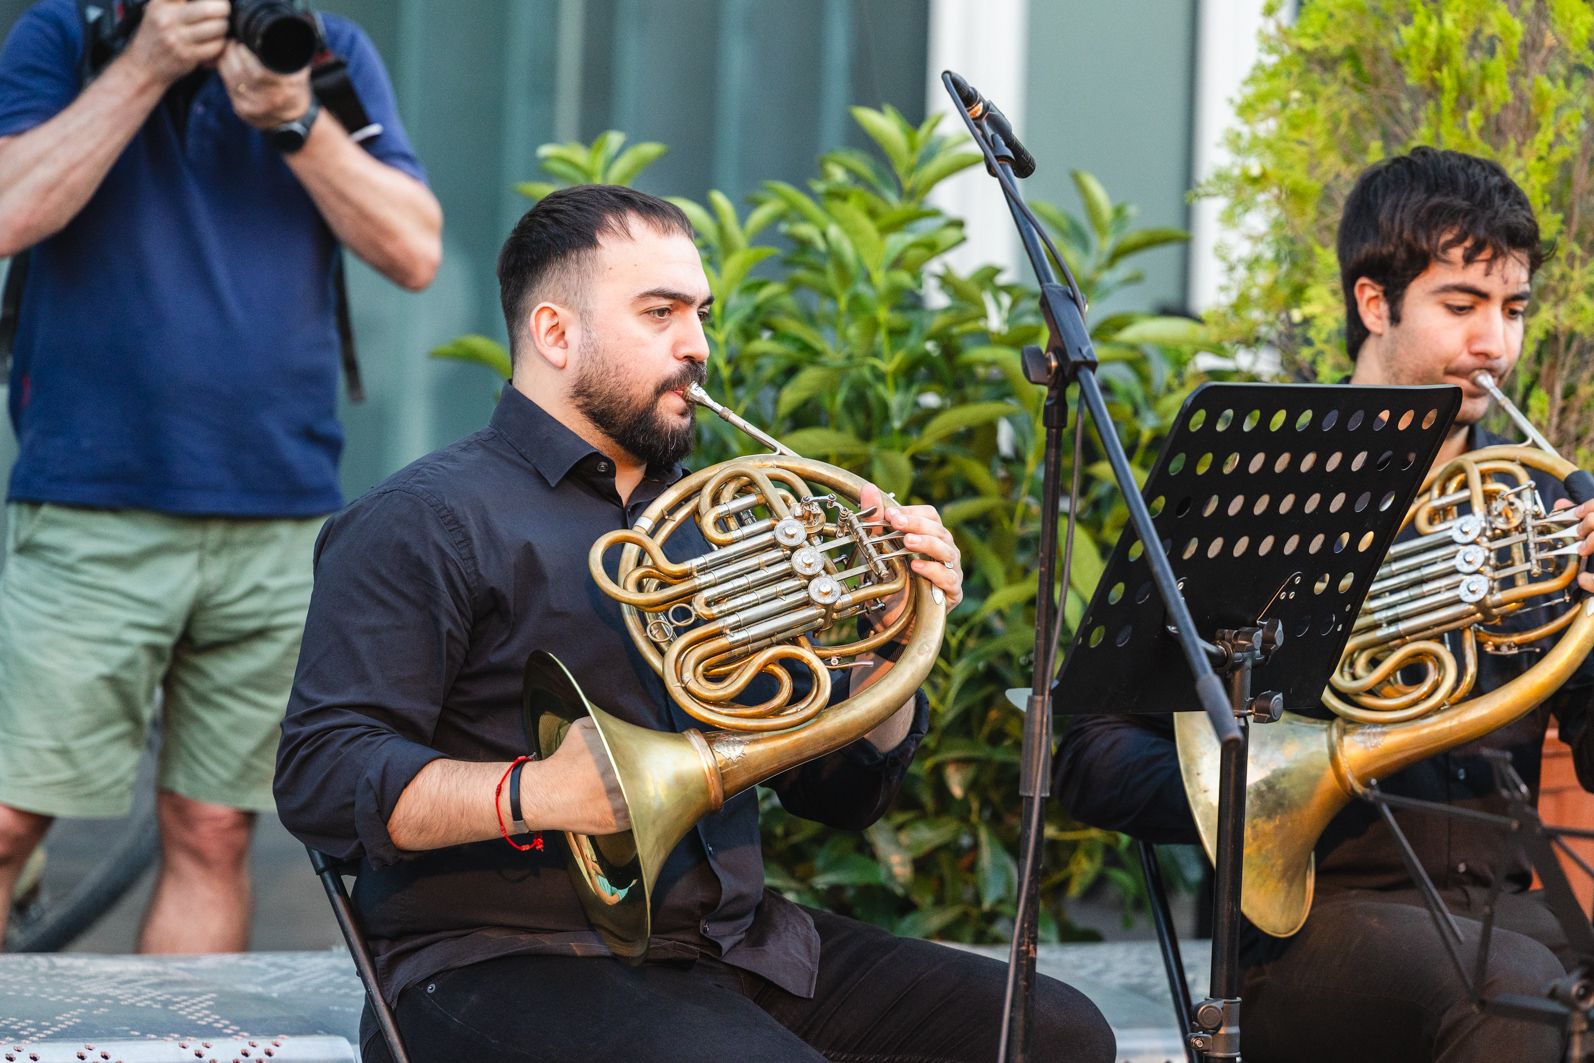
{"points": [[1070, 358]]}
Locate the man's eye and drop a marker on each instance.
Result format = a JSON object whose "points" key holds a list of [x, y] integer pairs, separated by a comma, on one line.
{"points": [[703, 314], [659, 312], [1516, 313], [1458, 308]]}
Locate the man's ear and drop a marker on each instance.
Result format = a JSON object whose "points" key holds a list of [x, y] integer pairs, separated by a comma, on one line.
{"points": [[1372, 305], [549, 327]]}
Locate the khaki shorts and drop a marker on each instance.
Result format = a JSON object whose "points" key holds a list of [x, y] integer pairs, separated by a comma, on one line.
{"points": [[100, 608]]}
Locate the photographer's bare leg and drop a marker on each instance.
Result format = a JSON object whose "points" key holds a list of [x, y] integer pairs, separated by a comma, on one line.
{"points": [[202, 895], [20, 834]]}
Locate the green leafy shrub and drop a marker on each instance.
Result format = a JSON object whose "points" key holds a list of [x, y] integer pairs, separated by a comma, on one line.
{"points": [[838, 326], [1504, 79]]}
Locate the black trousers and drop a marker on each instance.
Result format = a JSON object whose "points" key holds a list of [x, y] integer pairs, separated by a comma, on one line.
{"points": [[1368, 979], [879, 998]]}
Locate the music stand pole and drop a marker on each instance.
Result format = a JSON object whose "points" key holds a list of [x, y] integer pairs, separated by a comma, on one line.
{"points": [[1069, 357]]}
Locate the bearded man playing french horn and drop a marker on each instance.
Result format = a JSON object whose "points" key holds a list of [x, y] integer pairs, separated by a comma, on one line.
{"points": [[404, 745], [1437, 251]]}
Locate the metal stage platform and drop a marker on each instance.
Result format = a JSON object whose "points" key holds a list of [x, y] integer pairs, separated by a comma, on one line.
{"points": [[304, 1007]]}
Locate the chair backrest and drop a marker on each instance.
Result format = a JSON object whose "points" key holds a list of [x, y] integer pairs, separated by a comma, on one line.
{"points": [[331, 873]]}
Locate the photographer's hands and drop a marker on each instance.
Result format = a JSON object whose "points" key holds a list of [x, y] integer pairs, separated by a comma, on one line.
{"points": [[176, 36], [260, 96]]}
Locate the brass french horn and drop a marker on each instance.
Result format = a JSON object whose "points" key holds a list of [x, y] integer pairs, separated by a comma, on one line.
{"points": [[1486, 546], [790, 558]]}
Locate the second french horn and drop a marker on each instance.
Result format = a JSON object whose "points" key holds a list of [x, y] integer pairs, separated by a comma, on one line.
{"points": [[1485, 547]]}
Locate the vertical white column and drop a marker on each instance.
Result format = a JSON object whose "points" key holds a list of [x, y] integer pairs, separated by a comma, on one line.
{"points": [[984, 42], [1227, 49]]}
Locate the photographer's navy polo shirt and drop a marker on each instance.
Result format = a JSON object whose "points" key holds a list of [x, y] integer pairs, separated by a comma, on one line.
{"points": [[177, 348]]}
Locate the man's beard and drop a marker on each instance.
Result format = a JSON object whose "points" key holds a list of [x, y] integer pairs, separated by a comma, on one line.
{"points": [[636, 423]]}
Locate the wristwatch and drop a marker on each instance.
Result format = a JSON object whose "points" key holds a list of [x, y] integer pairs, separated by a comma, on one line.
{"points": [[290, 136]]}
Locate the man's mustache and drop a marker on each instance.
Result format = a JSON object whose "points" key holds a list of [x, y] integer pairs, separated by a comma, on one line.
{"points": [[691, 373]]}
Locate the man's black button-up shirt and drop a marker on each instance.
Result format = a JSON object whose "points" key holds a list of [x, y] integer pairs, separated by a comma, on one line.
{"points": [[431, 591]]}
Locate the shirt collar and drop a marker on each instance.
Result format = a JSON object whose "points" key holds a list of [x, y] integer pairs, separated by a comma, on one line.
{"points": [[546, 443]]}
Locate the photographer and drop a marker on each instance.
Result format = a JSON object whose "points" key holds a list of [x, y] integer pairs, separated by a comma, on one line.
{"points": [[174, 391]]}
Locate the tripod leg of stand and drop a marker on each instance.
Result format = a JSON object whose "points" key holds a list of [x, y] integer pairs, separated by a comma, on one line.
{"points": [[1168, 940]]}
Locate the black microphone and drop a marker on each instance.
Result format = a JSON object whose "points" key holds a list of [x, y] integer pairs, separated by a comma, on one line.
{"points": [[982, 110]]}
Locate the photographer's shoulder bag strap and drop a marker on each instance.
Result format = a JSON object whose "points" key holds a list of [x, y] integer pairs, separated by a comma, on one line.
{"points": [[330, 81], [10, 308]]}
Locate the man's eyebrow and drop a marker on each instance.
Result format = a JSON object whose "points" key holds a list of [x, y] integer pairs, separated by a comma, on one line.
{"points": [[673, 296], [1463, 288]]}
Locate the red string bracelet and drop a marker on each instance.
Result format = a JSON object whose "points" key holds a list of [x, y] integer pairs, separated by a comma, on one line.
{"points": [[503, 828]]}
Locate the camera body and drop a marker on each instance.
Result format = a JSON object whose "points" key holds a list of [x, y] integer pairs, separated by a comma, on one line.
{"points": [[283, 34]]}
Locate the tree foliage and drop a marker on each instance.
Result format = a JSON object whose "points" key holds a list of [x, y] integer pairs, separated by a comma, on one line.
{"points": [[1354, 81]]}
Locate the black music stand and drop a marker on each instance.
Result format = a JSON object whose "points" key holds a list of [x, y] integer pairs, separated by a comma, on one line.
{"points": [[1276, 505], [1568, 1001]]}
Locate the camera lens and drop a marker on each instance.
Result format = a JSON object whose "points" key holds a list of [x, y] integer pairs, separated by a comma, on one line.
{"points": [[280, 33]]}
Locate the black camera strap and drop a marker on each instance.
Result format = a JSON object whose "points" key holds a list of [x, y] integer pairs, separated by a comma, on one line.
{"points": [[329, 80]]}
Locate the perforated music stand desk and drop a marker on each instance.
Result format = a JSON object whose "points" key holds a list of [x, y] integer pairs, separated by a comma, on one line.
{"points": [[1273, 501], [1276, 505]]}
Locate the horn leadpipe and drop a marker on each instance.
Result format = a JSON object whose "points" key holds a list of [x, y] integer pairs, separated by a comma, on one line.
{"points": [[695, 393], [1579, 484]]}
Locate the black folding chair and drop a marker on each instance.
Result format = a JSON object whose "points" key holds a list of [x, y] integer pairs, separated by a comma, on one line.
{"points": [[331, 873]]}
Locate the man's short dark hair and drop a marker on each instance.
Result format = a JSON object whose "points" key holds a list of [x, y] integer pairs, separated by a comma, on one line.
{"points": [[1409, 211], [545, 255]]}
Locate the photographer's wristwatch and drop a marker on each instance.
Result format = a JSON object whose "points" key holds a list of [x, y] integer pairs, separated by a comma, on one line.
{"points": [[290, 136]]}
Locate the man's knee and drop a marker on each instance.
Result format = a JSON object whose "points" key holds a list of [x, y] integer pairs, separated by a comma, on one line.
{"points": [[198, 832], [1520, 966], [20, 834], [1069, 1025]]}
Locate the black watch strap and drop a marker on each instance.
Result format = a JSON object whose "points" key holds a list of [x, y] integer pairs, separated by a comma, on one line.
{"points": [[290, 136]]}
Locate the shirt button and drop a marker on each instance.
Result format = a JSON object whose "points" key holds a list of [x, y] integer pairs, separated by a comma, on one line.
{"points": [[1461, 773], [705, 928], [1461, 868], [603, 466]]}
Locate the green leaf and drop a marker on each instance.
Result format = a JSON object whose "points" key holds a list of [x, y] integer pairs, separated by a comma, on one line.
{"points": [[702, 222], [962, 510], [959, 418], [861, 232], [995, 870], [1166, 331], [633, 161], [725, 212], [922, 836], [798, 203], [735, 268], [888, 134], [536, 190], [1010, 595], [889, 851], [1144, 240], [853, 869], [602, 151], [1098, 206], [478, 349], [892, 472], [928, 922], [830, 442], [941, 167], [1088, 565], [809, 381]]}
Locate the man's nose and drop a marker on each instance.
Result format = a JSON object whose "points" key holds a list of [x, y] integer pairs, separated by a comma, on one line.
{"points": [[1489, 336], [693, 342]]}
